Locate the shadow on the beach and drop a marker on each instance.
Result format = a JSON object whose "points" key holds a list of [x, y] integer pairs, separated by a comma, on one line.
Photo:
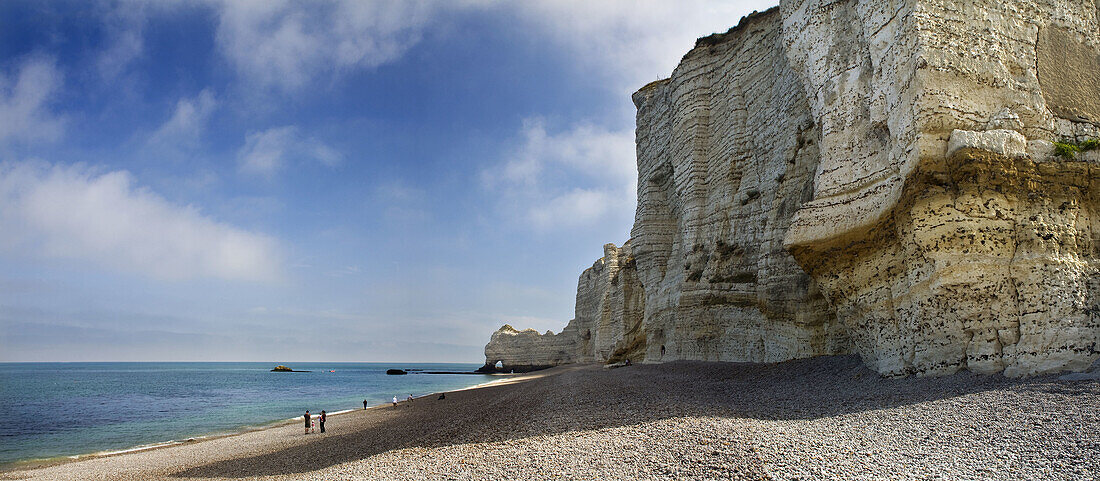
{"points": [[596, 398]]}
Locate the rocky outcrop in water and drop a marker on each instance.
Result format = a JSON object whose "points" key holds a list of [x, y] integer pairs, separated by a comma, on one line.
{"points": [[878, 177]]}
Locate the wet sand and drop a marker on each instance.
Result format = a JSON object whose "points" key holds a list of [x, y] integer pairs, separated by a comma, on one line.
{"points": [[823, 418]]}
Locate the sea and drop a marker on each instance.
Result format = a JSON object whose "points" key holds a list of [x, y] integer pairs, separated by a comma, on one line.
{"points": [[63, 410]]}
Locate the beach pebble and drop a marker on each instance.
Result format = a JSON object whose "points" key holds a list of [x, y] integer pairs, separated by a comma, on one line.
{"points": [[821, 418]]}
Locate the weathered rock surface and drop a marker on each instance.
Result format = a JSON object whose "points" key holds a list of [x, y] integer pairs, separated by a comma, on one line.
{"points": [[944, 240], [527, 350], [876, 177], [610, 304], [608, 321], [727, 149]]}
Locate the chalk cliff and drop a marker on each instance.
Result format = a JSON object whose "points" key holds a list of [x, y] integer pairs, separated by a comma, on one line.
{"points": [[877, 177], [942, 228], [607, 323]]}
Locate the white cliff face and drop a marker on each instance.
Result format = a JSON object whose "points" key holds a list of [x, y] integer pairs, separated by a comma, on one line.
{"points": [[607, 326], [942, 228], [727, 150], [873, 176], [527, 350], [609, 308]]}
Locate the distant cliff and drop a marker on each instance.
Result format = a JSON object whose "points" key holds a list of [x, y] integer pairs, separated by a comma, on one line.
{"points": [[607, 326], [908, 180]]}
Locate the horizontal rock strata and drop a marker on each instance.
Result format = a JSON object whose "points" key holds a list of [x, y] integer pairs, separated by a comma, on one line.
{"points": [[607, 326], [878, 177], [727, 150], [945, 238]]}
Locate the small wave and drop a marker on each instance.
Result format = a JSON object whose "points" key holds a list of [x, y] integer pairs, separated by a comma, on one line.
{"points": [[142, 447]]}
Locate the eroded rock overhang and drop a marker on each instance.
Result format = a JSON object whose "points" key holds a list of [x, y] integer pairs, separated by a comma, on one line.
{"points": [[943, 228]]}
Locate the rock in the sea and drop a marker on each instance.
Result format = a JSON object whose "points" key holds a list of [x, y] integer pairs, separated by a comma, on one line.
{"points": [[850, 176], [396, 372]]}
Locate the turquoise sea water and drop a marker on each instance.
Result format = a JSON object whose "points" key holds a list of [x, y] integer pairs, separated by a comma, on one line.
{"points": [[51, 410]]}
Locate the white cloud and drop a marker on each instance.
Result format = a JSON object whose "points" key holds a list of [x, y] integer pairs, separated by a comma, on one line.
{"points": [[63, 212], [542, 181], [126, 46], [576, 207], [323, 153], [24, 98], [124, 26], [265, 153], [188, 120], [631, 43], [287, 44], [627, 43], [586, 175], [587, 148]]}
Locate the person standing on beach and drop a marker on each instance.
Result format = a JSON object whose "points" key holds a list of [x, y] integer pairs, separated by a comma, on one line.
{"points": [[322, 421], [364, 404], [395, 401], [307, 422]]}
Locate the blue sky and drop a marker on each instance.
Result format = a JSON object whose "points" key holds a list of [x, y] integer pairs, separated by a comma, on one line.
{"points": [[315, 181]]}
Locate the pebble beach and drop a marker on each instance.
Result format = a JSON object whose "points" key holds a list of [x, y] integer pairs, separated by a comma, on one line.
{"points": [[821, 418]]}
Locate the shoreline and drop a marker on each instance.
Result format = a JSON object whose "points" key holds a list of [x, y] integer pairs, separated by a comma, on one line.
{"points": [[37, 463], [820, 418]]}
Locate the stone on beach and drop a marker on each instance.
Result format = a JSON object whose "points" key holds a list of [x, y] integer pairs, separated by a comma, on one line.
{"points": [[822, 418]]}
